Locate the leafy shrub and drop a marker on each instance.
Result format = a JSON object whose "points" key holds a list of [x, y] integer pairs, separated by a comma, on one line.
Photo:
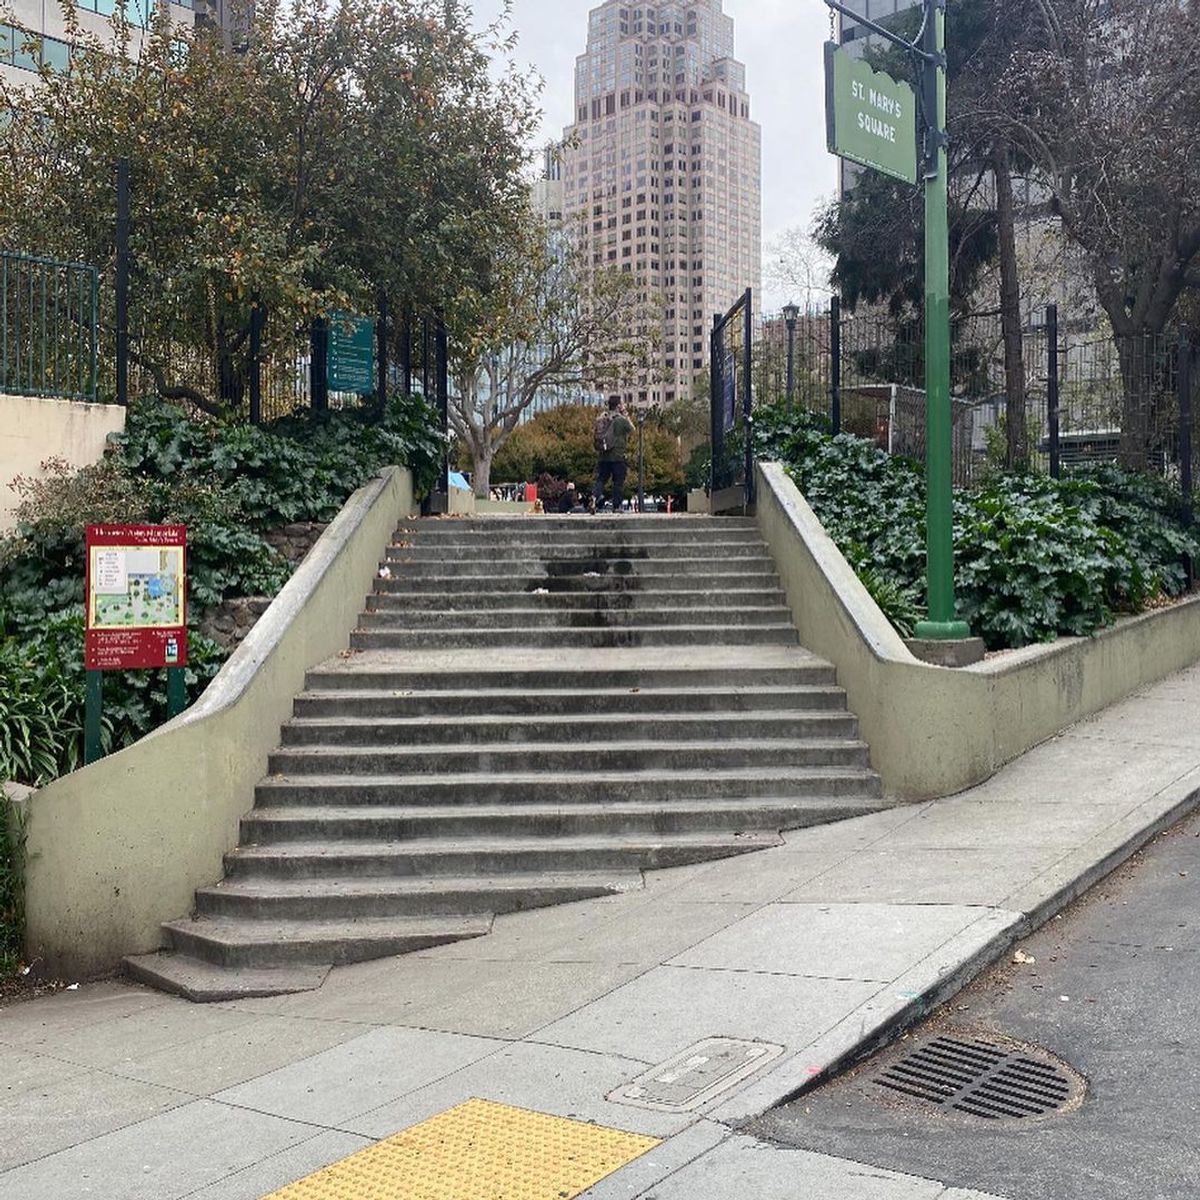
{"points": [[1035, 558], [226, 483], [300, 468], [12, 895]]}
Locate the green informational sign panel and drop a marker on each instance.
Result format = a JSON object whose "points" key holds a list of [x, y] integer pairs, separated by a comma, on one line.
{"points": [[351, 363], [871, 117]]}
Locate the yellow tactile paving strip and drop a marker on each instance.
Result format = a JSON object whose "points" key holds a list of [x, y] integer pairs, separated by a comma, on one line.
{"points": [[477, 1151]]}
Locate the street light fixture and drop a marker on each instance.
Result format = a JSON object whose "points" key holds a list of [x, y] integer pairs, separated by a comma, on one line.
{"points": [[790, 315]]}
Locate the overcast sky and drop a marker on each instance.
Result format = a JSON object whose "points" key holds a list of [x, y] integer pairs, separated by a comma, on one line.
{"points": [[779, 41]]}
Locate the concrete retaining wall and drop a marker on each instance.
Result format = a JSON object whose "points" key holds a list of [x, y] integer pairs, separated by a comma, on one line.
{"points": [[934, 731], [33, 430], [120, 846]]}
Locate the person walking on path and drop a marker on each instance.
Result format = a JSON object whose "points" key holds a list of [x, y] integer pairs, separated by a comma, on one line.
{"points": [[611, 437]]}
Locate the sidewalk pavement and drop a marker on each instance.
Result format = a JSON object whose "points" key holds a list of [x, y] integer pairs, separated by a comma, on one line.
{"points": [[823, 947]]}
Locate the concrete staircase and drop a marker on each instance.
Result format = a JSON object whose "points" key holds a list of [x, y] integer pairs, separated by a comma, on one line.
{"points": [[535, 711]]}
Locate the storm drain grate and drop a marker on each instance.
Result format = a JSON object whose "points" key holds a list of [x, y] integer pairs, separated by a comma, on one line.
{"points": [[981, 1079]]}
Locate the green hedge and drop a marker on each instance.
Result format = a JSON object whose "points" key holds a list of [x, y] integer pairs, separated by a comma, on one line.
{"points": [[1035, 558]]}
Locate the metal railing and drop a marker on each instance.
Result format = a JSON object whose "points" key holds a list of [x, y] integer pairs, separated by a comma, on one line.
{"points": [[48, 327]]}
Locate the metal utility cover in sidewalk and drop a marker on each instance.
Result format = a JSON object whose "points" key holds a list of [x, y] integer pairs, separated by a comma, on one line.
{"points": [[696, 1075], [478, 1149]]}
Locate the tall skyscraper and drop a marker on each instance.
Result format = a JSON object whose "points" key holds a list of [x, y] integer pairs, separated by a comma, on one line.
{"points": [[663, 169]]}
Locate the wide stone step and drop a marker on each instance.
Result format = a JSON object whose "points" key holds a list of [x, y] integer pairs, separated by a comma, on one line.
{"points": [[206, 983], [292, 899], [569, 787], [363, 705], [454, 567], [598, 639], [275, 826], [510, 758], [543, 599], [572, 552], [619, 726], [455, 857], [497, 529], [534, 576], [549, 617], [234, 942]]}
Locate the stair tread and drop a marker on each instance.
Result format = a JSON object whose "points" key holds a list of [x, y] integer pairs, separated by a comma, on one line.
{"points": [[748, 715], [437, 846], [569, 778], [417, 885], [273, 929], [799, 690], [284, 813], [621, 746], [206, 982]]}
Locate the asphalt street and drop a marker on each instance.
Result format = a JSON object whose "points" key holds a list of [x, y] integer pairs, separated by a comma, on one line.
{"points": [[1114, 992]]}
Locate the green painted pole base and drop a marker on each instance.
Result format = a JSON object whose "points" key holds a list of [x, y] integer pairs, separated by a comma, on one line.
{"points": [[93, 708], [176, 691], [942, 631]]}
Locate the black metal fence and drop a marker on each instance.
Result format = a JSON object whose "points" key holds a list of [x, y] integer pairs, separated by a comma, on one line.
{"points": [[48, 327], [1088, 396]]}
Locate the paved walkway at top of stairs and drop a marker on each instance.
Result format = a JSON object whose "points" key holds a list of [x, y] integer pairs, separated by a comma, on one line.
{"points": [[822, 946]]}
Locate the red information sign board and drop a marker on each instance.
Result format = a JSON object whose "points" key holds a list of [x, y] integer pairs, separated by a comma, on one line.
{"points": [[136, 597]]}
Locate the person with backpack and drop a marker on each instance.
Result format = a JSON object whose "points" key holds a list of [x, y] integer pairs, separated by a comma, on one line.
{"points": [[611, 437]]}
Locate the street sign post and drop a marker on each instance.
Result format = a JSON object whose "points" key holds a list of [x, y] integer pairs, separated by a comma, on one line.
{"points": [[867, 111], [351, 362]]}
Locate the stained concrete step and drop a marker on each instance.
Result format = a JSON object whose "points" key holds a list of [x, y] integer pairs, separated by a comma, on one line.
{"points": [[577, 729], [206, 983], [550, 617], [677, 525], [534, 576], [568, 787], [291, 899], [543, 599], [571, 552], [800, 672], [235, 942], [453, 566], [493, 703], [645, 635], [312, 823], [507, 758], [455, 857]]}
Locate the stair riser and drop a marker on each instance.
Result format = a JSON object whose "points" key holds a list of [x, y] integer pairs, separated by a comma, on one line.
{"points": [[549, 618], [782, 784], [426, 904], [469, 861], [472, 601], [597, 639], [262, 831], [405, 582], [440, 761], [595, 551], [289, 953], [527, 681], [825, 700], [574, 530], [559, 729]]}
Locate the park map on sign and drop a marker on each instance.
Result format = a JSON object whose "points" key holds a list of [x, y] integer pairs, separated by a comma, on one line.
{"points": [[137, 587]]}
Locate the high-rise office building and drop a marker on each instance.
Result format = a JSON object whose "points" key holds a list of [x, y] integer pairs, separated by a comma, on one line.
{"points": [[663, 169]]}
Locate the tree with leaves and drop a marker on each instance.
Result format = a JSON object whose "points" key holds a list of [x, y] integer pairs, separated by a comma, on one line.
{"points": [[551, 324], [1104, 104], [343, 153]]}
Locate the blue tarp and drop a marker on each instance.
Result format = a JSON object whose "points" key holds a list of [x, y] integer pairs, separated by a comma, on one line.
{"points": [[459, 480]]}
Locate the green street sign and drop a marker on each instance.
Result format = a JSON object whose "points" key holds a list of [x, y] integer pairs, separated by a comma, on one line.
{"points": [[871, 118], [351, 363]]}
